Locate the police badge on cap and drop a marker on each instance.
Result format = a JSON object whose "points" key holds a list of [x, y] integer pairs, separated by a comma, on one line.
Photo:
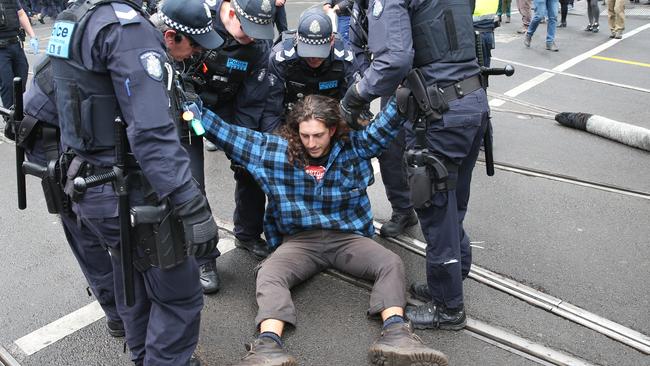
{"points": [[256, 17], [314, 34]]}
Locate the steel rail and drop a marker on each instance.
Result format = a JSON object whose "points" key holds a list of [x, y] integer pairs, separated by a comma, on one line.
{"points": [[569, 179], [559, 307], [493, 335]]}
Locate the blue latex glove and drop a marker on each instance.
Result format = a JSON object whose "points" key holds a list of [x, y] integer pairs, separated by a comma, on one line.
{"points": [[33, 44]]}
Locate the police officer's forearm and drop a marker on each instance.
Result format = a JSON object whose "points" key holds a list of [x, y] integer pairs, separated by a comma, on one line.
{"points": [[25, 24], [384, 74]]}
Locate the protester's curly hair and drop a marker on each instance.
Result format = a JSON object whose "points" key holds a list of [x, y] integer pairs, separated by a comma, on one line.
{"points": [[318, 107]]}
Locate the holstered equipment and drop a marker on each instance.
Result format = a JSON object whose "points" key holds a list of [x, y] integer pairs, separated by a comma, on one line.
{"points": [[159, 235]]}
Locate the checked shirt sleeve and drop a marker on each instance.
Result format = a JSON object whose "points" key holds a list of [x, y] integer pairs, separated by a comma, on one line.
{"points": [[373, 139], [241, 144]]}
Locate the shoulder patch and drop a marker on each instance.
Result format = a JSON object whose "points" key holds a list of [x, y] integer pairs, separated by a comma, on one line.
{"points": [[377, 8], [125, 14], [152, 64], [349, 57], [279, 56]]}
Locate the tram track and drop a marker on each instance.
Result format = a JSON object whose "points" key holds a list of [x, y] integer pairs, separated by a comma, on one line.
{"points": [[518, 169], [495, 336], [554, 305]]}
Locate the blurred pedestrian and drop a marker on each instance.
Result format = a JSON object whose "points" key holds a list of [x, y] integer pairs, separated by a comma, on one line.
{"points": [[593, 13], [524, 9], [12, 57], [564, 10], [504, 8], [544, 8], [616, 18]]}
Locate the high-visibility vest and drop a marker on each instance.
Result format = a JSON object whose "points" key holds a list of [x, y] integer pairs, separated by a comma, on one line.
{"points": [[485, 9]]}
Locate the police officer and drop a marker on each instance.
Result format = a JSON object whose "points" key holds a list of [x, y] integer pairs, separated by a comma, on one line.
{"points": [[12, 57], [39, 135], [437, 39], [307, 61], [484, 22], [231, 81], [108, 62], [169, 20]]}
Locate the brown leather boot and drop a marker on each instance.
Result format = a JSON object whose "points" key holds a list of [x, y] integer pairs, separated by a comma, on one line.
{"points": [[266, 352], [399, 346]]}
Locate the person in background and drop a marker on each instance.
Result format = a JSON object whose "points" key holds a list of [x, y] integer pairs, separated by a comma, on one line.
{"points": [[616, 18]]}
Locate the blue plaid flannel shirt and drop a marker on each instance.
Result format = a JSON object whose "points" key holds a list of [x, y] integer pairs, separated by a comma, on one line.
{"points": [[297, 201]]}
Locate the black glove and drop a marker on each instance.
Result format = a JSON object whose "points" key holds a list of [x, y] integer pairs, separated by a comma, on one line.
{"points": [[351, 107], [201, 231], [406, 104], [10, 128]]}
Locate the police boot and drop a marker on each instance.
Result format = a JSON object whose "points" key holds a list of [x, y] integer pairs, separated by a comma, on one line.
{"points": [[430, 316], [209, 277], [420, 290], [257, 246], [194, 361], [398, 222], [265, 351], [115, 328], [399, 346]]}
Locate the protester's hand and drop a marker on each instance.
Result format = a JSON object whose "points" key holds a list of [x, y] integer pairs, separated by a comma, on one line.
{"points": [[279, 3], [33, 44]]}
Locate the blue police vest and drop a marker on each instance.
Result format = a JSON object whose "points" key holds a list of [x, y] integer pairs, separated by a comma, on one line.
{"points": [[85, 99], [442, 32], [224, 70], [40, 98], [302, 80], [9, 23]]}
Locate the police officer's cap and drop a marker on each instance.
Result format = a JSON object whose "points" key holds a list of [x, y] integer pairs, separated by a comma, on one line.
{"points": [[256, 17], [314, 34], [191, 17]]}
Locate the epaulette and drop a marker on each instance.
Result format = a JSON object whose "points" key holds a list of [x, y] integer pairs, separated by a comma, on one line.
{"points": [[126, 14], [342, 53]]}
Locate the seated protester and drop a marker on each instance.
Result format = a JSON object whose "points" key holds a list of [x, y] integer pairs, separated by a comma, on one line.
{"points": [[307, 61], [315, 175]]}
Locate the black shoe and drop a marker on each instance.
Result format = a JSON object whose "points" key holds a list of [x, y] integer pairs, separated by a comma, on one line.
{"points": [[399, 346], [258, 247], [595, 28], [209, 277], [115, 328], [398, 222], [562, 25], [41, 20], [589, 28], [194, 361], [266, 352], [420, 290], [430, 316]]}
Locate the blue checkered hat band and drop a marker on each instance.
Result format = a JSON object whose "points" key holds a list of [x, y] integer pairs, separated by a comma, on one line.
{"points": [[185, 29], [251, 18], [315, 42]]}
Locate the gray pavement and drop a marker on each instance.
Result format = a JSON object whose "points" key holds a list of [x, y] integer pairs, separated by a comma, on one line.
{"points": [[588, 247]]}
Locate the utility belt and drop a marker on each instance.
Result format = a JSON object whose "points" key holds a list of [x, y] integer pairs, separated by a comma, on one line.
{"points": [[154, 228], [423, 104], [6, 42]]}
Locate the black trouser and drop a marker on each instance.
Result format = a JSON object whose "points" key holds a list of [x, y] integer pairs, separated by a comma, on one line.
{"points": [[249, 206], [12, 63], [564, 9]]}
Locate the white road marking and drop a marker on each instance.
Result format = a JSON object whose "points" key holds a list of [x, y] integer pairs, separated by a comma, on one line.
{"points": [[79, 319], [60, 328], [564, 66]]}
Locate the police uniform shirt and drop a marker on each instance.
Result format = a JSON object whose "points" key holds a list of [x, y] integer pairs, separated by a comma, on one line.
{"points": [[248, 105], [120, 41], [280, 61]]}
